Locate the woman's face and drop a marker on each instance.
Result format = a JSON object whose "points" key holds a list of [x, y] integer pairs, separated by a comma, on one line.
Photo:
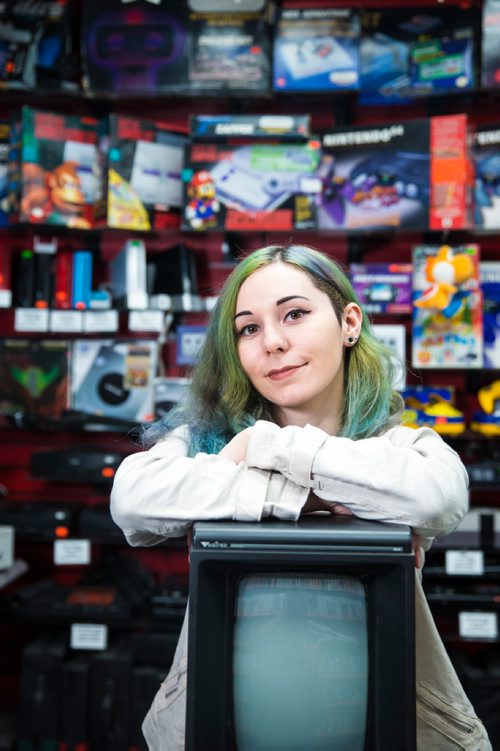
{"points": [[291, 344]]}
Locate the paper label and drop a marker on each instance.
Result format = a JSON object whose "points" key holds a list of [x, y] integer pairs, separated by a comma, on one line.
{"points": [[31, 319], [89, 636], [478, 625], [464, 562], [72, 552]]}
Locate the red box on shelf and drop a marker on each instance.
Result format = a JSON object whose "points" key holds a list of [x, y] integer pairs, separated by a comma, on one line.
{"points": [[452, 174]]}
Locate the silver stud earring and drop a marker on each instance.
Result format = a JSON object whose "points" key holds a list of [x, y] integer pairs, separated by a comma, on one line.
{"points": [[351, 339]]}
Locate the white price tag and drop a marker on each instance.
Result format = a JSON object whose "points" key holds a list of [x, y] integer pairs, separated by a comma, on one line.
{"points": [[72, 552], [310, 185], [88, 636], [31, 319], [464, 562], [66, 320], [100, 320], [146, 320], [210, 303], [478, 625], [5, 298], [186, 301], [6, 546]]}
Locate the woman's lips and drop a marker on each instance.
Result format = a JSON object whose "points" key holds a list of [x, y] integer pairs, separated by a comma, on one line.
{"points": [[279, 375]]}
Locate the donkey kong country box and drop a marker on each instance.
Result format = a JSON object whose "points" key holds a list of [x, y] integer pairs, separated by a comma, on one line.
{"points": [[251, 172], [56, 161]]}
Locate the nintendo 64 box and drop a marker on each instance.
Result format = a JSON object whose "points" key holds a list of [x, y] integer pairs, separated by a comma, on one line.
{"points": [[414, 174]]}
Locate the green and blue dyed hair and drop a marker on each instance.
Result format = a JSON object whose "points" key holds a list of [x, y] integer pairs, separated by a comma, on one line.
{"points": [[222, 401]]}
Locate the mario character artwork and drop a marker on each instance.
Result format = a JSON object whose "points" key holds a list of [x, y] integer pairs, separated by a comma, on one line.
{"points": [[54, 197], [202, 208]]}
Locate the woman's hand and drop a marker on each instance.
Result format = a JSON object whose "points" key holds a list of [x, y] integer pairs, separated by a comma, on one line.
{"points": [[236, 449], [314, 503], [415, 546]]}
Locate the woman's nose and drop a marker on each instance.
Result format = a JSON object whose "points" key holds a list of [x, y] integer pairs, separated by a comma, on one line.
{"points": [[275, 340]]}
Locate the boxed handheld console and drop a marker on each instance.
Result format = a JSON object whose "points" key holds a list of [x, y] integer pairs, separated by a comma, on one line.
{"points": [[382, 287]]}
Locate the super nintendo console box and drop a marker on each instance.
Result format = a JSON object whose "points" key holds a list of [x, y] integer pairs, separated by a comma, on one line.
{"points": [[251, 172], [145, 163]]}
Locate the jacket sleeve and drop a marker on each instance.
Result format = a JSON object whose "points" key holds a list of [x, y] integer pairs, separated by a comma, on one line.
{"points": [[404, 476], [158, 493]]}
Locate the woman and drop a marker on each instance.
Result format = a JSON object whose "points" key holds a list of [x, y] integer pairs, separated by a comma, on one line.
{"points": [[292, 410]]}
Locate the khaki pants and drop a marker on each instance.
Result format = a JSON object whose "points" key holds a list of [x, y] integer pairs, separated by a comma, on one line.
{"points": [[446, 720]]}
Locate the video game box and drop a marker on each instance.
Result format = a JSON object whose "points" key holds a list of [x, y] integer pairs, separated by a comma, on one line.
{"points": [[414, 174], [252, 172]]}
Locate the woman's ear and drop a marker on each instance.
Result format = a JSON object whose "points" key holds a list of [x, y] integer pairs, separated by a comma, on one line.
{"points": [[352, 317]]}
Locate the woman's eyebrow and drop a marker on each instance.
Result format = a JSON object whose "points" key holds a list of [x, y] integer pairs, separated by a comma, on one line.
{"points": [[290, 297], [243, 313], [281, 301]]}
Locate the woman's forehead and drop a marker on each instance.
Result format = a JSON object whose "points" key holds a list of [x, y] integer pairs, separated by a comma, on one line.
{"points": [[276, 279]]}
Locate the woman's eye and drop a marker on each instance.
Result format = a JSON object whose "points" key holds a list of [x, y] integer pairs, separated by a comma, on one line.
{"points": [[248, 330], [296, 314]]}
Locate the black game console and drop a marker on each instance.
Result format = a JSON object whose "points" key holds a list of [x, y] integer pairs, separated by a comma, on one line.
{"points": [[76, 464]]}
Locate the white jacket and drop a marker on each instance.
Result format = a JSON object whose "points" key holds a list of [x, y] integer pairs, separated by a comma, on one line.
{"points": [[403, 476]]}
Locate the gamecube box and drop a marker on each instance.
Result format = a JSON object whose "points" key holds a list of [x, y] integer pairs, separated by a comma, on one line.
{"points": [[414, 174], [251, 172], [114, 378], [145, 164]]}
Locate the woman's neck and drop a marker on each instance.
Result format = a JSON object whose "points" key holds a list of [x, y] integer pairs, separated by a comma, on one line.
{"points": [[329, 422]]}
